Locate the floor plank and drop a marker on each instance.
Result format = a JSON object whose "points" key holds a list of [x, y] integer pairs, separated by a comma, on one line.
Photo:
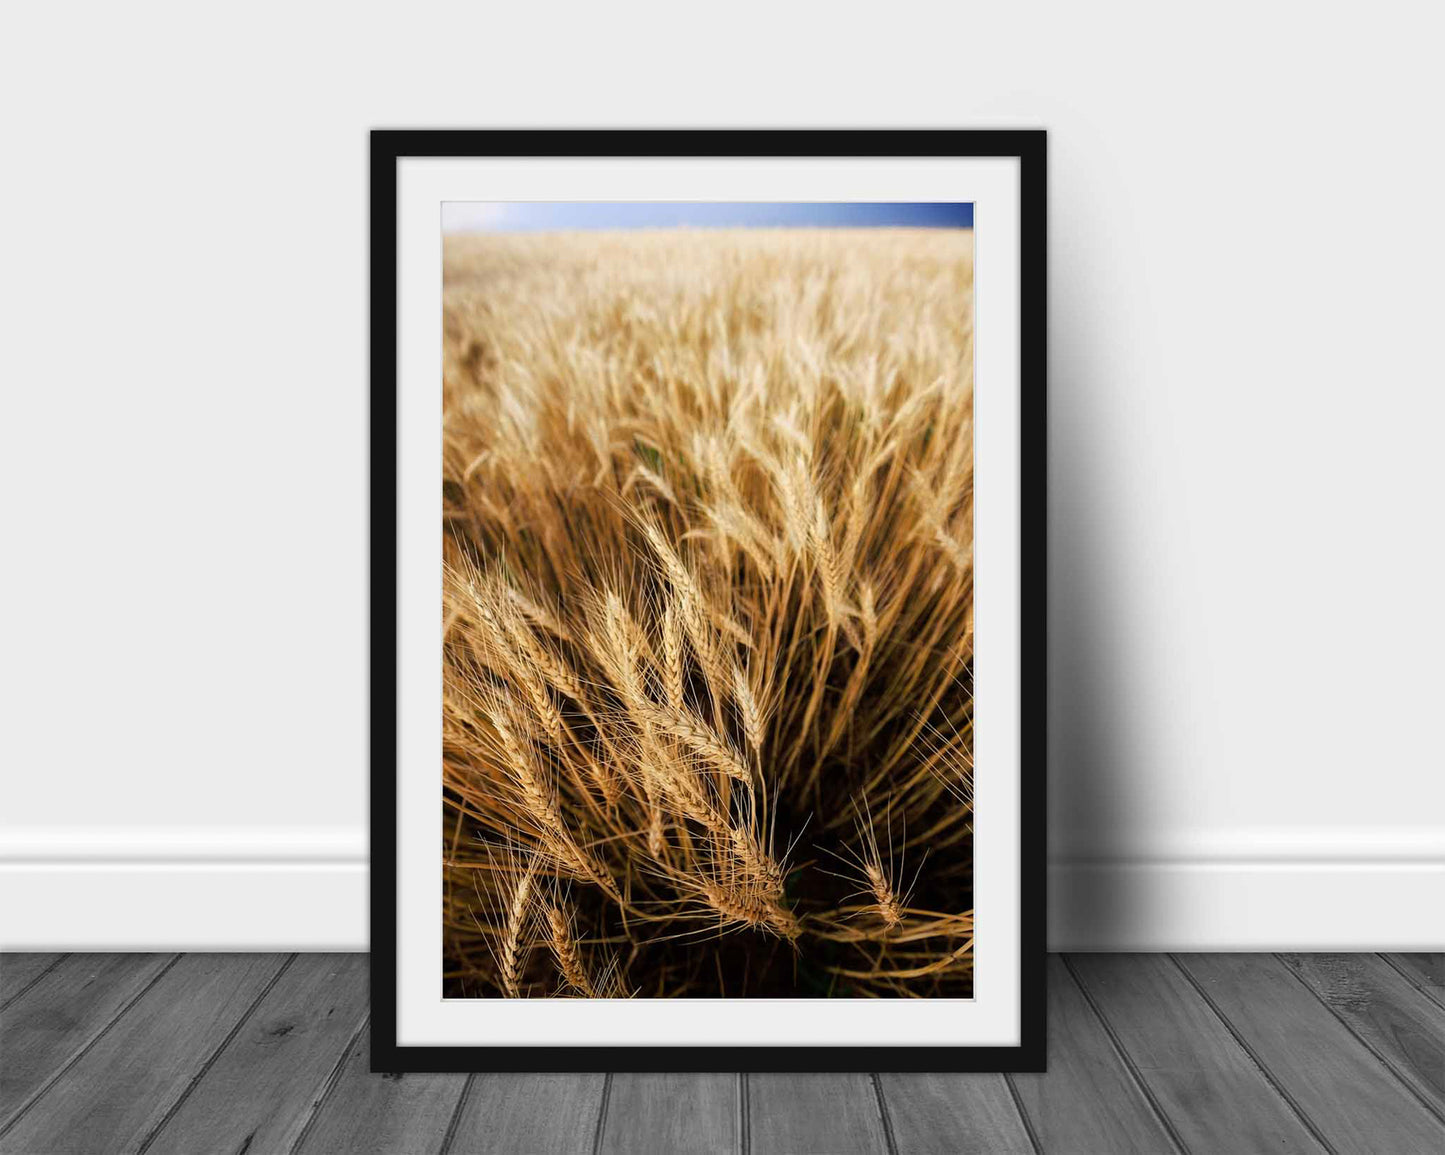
{"points": [[685, 1114], [806, 1114], [1425, 971], [123, 1085], [18, 971], [1088, 1100], [1393, 1018], [366, 1114], [260, 1091], [1202, 1079], [519, 1114], [954, 1115], [1353, 1100], [61, 1014]]}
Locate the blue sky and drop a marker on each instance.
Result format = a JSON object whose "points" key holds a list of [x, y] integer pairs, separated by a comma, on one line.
{"points": [[552, 216]]}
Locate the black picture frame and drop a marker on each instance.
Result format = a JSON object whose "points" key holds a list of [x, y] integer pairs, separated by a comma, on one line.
{"points": [[388, 148]]}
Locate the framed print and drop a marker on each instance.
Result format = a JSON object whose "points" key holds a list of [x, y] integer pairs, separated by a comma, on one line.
{"points": [[708, 600]]}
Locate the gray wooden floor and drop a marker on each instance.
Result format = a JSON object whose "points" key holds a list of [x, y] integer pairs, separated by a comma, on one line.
{"points": [[1155, 1053]]}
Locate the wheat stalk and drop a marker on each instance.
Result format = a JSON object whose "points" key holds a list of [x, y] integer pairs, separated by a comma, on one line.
{"points": [[512, 935], [565, 950]]}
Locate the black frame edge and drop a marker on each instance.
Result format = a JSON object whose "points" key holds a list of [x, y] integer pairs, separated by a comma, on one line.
{"points": [[385, 1055]]}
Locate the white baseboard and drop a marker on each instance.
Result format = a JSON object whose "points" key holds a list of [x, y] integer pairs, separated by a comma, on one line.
{"points": [[292, 889], [224, 888], [309, 906], [1269, 904]]}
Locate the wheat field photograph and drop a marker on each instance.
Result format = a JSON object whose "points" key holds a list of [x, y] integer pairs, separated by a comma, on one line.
{"points": [[707, 594]]}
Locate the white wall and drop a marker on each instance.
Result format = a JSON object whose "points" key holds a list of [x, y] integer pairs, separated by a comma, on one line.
{"points": [[1247, 405]]}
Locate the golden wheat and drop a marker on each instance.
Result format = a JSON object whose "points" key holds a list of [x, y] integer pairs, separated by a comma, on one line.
{"points": [[707, 599]]}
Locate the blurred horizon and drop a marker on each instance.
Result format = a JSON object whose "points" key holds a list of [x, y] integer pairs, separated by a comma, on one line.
{"points": [[570, 216]]}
